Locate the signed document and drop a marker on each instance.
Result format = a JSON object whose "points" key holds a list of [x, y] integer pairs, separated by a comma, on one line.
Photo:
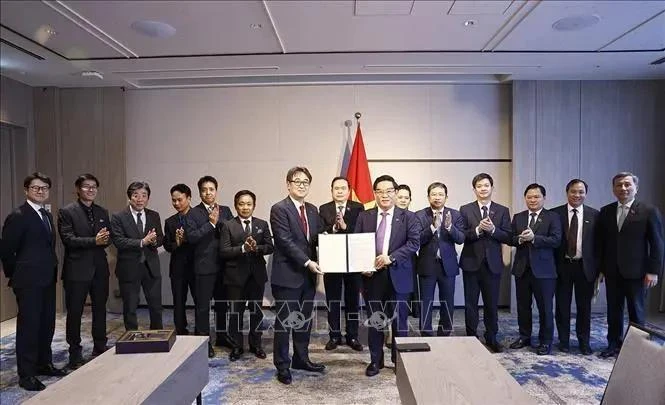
{"points": [[346, 253]]}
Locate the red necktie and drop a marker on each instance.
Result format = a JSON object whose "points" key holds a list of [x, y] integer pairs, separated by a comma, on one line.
{"points": [[303, 219]]}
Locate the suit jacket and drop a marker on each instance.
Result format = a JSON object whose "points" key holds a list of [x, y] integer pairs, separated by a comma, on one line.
{"points": [[540, 253], [127, 239], [292, 249], [635, 250], [590, 218], [328, 213], [29, 258], [486, 246], [241, 266], [403, 244], [430, 242], [78, 237], [205, 238], [181, 262]]}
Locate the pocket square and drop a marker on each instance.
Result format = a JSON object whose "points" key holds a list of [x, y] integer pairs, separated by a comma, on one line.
{"points": [[259, 230], [586, 221]]}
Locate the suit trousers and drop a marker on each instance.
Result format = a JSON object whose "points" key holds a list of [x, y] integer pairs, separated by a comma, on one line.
{"points": [[152, 289], [620, 291], [571, 275], [528, 287], [35, 325], [204, 285], [333, 283], [446, 303], [294, 317], [486, 283], [221, 305], [179, 287], [76, 293], [240, 296]]}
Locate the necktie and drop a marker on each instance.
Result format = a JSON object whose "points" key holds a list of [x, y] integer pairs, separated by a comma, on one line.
{"points": [[572, 235], [437, 219], [139, 222], [484, 208], [45, 220], [532, 222], [247, 229], [182, 220], [381, 233], [91, 217], [303, 220], [622, 215]]}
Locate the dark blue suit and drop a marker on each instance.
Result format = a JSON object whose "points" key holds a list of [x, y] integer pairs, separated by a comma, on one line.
{"points": [[31, 265], [441, 269], [534, 268], [390, 288], [293, 285], [482, 265]]}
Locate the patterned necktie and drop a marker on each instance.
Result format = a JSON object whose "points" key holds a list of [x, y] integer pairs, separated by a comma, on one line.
{"points": [[303, 220], [622, 215], [381, 234], [139, 222], [437, 219], [45, 220], [182, 220], [532, 223], [572, 235], [90, 215], [247, 229], [484, 211]]}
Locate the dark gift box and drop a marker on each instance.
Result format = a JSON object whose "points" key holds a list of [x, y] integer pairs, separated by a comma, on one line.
{"points": [[145, 341]]}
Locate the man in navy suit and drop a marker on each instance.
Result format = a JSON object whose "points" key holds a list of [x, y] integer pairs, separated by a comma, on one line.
{"points": [[30, 264], [204, 224], [181, 263], [630, 245], [296, 226], [387, 289], [339, 216], [486, 227], [442, 228], [537, 235], [244, 242], [85, 230], [576, 266]]}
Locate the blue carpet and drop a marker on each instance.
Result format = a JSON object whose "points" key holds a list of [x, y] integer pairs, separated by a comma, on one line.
{"points": [[556, 379]]}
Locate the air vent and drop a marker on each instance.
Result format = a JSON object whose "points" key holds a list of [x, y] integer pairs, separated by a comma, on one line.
{"points": [[18, 48]]}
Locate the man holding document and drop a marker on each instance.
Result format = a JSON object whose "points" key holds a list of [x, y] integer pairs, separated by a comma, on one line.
{"points": [[387, 289]]}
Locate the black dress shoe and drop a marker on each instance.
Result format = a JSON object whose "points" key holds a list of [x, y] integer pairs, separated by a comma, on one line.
{"points": [[31, 384], [564, 347], [75, 363], [372, 369], [354, 344], [284, 376], [333, 343], [99, 350], [544, 349], [495, 347], [224, 340], [586, 350], [609, 352], [308, 365], [211, 350], [50, 370], [236, 353], [258, 352], [520, 343], [182, 332]]}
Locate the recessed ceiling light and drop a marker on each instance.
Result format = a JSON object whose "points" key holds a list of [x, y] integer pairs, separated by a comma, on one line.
{"points": [[153, 29], [50, 31], [576, 22], [470, 23], [255, 26]]}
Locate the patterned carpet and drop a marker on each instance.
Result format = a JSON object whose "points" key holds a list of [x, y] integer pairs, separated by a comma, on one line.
{"points": [[556, 379]]}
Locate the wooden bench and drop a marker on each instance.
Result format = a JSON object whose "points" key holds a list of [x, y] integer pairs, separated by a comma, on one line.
{"points": [[176, 377], [457, 370]]}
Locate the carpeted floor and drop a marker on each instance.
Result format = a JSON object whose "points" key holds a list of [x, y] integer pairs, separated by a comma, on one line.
{"points": [[555, 379]]}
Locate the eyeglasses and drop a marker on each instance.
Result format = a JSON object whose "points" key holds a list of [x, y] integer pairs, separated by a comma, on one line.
{"points": [[89, 188], [37, 189], [389, 191], [299, 183]]}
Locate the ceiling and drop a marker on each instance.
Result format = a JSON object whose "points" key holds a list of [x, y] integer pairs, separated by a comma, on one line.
{"points": [[254, 42]]}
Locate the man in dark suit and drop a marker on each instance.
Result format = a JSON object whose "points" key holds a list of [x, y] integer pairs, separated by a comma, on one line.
{"points": [[339, 216], [442, 228], [137, 233], [576, 266], [536, 234], [204, 223], [486, 226], [295, 225], [630, 246], [30, 264], [387, 289], [181, 264], [244, 242], [84, 229]]}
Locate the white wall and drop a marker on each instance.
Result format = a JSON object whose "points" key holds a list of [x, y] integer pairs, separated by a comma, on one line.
{"points": [[250, 137]]}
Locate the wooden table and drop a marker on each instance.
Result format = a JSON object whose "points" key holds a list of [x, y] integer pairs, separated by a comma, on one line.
{"points": [[176, 377], [457, 370]]}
